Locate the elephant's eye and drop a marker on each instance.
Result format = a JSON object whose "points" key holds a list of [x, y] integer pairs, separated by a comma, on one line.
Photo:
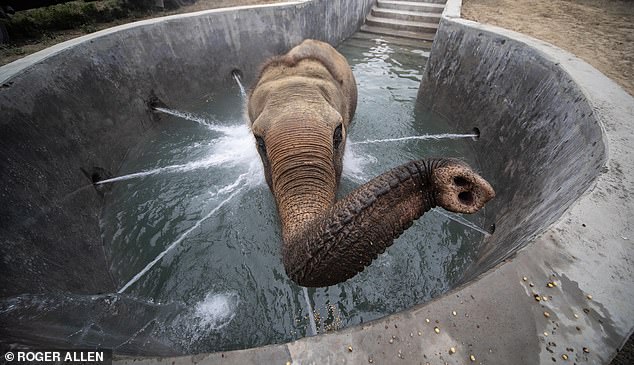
{"points": [[337, 137], [259, 141]]}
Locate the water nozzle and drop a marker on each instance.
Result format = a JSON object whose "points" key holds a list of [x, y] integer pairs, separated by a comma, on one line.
{"points": [[154, 102], [236, 73], [476, 133]]}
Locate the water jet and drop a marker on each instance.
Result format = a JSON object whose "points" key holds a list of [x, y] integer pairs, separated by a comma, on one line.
{"points": [[476, 133]]}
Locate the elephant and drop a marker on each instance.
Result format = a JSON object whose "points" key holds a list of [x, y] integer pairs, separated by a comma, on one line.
{"points": [[299, 110]]}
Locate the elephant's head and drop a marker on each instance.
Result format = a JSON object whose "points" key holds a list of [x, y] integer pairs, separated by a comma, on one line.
{"points": [[300, 109]]}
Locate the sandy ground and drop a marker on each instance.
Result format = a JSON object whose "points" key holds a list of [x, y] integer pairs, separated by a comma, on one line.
{"points": [[601, 32]]}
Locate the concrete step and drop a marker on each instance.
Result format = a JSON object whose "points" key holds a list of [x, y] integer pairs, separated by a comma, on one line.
{"points": [[401, 24], [408, 42], [422, 7], [429, 36], [412, 16]]}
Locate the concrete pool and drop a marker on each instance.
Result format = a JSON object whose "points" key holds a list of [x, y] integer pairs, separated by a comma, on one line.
{"points": [[555, 140]]}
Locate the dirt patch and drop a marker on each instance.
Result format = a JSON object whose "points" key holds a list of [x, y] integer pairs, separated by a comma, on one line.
{"points": [[601, 32], [12, 52]]}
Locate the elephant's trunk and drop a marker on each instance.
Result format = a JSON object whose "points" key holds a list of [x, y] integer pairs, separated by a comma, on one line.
{"points": [[302, 175], [334, 244]]}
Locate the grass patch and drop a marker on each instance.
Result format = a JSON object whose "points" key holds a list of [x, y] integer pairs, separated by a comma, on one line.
{"points": [[35, 24]]}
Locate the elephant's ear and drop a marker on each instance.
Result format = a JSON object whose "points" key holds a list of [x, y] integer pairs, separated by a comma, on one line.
{"points": [[339, 130], [257, 102], [259, 129]]}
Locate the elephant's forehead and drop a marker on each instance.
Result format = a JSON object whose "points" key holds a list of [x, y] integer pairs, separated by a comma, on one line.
{"points": [[298, 88], [296, 113], [308, 67], [297, 122]]}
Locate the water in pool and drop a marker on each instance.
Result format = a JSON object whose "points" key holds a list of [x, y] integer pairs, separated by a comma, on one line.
{"points": [[193, 240]]}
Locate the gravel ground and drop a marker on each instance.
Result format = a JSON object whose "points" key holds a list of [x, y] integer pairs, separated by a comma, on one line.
{"points": [[601, 32]]}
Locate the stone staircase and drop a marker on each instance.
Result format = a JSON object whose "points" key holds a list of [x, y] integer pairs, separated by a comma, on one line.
{"points": [[415, 20]]}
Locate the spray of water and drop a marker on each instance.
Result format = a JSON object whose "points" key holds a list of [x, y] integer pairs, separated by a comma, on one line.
{"points": [[311, 315], [136, 334], [235, 148], [461, 220], [233, 189], [167, 169], [198, 323], [423, 137], [243, 92], [212, 125], [354, 164], [216, 311]]}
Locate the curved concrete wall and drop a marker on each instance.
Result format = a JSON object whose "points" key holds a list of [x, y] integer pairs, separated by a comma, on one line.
{"points": [[75, 109], [548, 121], [540, 145]]}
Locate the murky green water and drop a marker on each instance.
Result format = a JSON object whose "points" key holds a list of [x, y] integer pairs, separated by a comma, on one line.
{"points": [[204, 233]]}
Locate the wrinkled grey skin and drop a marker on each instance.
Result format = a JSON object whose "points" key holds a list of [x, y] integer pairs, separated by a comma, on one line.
{"points": [[300, 108]]}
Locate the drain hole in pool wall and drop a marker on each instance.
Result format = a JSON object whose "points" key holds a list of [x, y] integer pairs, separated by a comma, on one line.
{"points": [[97, 174], [236, 73], [154, 102], [476, 133]]}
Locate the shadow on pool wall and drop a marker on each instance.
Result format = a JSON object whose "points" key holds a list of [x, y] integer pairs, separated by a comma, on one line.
{"points": [[540, 146], [71, 112]]}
